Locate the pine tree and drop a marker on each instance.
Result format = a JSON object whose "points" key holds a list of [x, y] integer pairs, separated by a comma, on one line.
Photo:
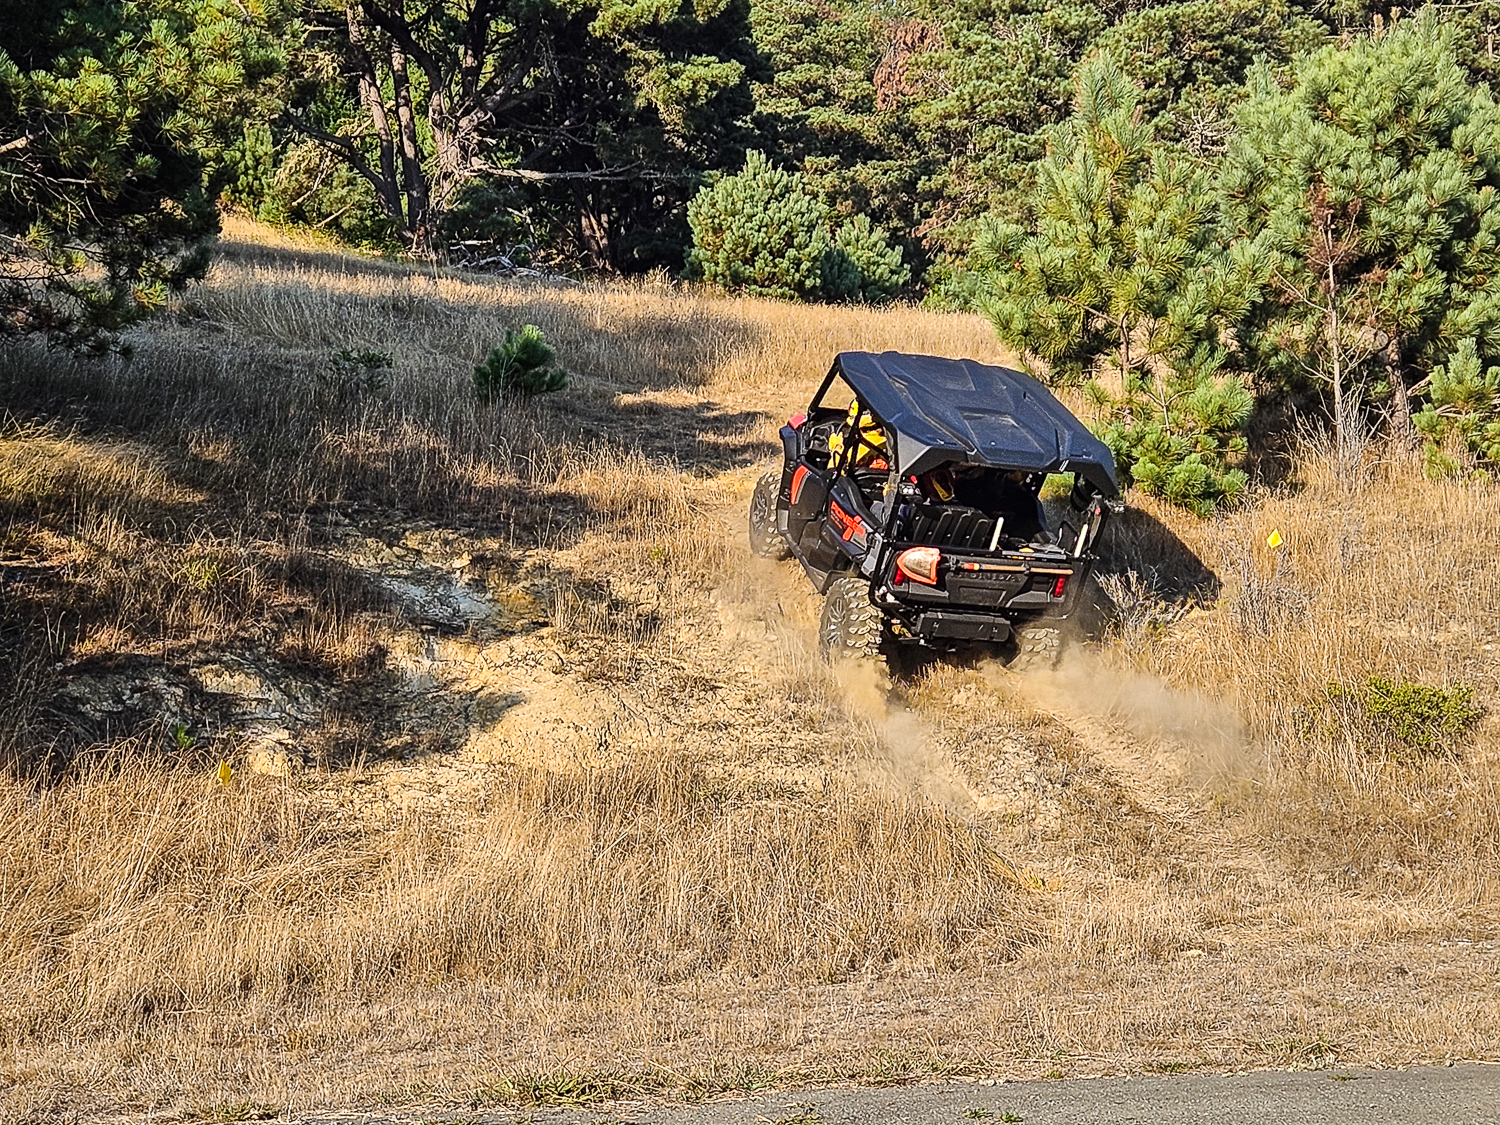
{"points": [[1125, 280], [862, 265], [993, 78], [762, 231], [520, 368], [113, 119], [820, 109], [765, 231], [1461, 418], [1367, 190], [1190, 59]]}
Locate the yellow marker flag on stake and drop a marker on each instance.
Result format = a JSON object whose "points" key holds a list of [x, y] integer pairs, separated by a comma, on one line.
{"points": [[224, 773], [1274, 539]]}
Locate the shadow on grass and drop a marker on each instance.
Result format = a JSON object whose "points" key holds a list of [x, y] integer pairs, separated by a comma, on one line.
{"points": [[223, 545], [1138, 542]]}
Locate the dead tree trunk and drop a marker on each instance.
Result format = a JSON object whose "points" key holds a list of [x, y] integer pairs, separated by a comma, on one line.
{"points": [[1403, 433]]}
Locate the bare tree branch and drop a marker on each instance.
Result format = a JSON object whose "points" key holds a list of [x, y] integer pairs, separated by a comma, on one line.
{"points": [[602, 175]]}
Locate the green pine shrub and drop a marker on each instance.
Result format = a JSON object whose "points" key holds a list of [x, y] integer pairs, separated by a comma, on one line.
{"points": [[520, 368], [764, 231], [247, 167], [352, 376], [862, 265], [1461, 418], [1178, 436], [1126, 278]]}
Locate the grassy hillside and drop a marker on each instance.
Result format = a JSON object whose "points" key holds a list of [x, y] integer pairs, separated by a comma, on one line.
{"points": [[540, 793]]}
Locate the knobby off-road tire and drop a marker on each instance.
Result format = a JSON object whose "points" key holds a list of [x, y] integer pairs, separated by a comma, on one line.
{"points": [[1038, 648], [851, 628], [764, 539]]}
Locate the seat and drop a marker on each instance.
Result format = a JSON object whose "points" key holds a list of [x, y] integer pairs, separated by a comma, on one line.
{"points": [[950, 525]]}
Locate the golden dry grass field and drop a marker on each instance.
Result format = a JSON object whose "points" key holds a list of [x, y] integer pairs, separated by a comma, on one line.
{"points": [[540, 793]]}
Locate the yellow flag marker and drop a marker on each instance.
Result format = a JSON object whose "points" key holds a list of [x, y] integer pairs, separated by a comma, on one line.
{"points": [[1274, 539], [224, 774]]}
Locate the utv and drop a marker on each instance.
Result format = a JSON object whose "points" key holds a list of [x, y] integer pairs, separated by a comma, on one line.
{"points": [[910, 495]]}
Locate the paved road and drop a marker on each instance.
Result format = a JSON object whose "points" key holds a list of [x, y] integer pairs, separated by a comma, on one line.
{"points": [[1467, 1094]]}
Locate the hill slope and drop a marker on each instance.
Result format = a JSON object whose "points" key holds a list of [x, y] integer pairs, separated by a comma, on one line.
{"points": [[540, 793]]}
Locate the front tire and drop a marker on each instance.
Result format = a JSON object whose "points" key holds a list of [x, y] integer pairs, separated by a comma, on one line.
{"points": [[851, 627], [765, 540]]}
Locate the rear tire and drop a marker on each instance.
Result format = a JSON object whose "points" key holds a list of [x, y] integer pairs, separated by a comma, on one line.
{"points": [[851, 627], [1038, 648], [765, 540]]}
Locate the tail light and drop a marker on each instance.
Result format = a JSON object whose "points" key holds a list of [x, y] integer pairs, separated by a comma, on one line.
{"points": [[918, 564], [1059, 585]]}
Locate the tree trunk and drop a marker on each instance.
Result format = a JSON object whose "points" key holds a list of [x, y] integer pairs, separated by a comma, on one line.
{"points": [[411, 158], [1335, 344], [1403, 433], [387, 187], [593, 225]]}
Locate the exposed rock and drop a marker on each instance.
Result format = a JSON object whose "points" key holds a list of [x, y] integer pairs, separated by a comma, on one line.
{"points": [[250, 695]]}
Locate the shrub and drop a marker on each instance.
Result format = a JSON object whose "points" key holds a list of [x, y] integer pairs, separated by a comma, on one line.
{"points": [[765, 231], [1413, 716], [1461, 419], [1176, 436], [862, 264], [522, 367], [354, 376]]}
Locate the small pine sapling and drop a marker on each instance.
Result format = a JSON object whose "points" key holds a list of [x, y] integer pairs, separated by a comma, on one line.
{"points": [[520, 368], [1461, 418]]}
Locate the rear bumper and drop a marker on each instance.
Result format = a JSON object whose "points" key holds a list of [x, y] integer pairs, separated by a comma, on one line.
{"points": [[982, 627]]}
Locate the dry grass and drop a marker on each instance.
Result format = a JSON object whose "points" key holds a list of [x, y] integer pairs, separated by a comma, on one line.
{"points": [[134, 893], [1387, 574], [647, 841]]}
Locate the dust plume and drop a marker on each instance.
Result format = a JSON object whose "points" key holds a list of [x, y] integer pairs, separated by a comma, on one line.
{"points": [[900, 744], [769, 609], [1202, 740]]}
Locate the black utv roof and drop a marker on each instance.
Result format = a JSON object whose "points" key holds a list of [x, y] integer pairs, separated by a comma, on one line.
{"points": [[941, 411]]}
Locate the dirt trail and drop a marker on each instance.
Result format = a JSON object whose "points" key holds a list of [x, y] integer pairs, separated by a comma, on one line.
{"points": [[732, 678], [1165, 747]]}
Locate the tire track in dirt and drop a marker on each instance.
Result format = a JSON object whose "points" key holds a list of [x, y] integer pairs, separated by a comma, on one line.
{"points": [[1167, 748]]}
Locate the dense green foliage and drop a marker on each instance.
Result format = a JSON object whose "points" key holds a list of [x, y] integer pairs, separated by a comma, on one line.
{"points": [[1461, 418], [1366, 189], [112, 121], [765, 231], [1125, 279], [591, 121], [1342, 247]]}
